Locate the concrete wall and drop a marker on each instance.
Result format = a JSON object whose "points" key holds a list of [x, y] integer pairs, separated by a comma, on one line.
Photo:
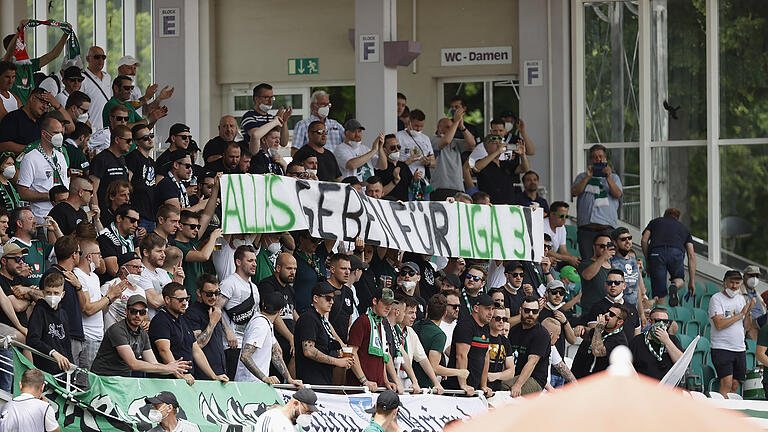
{"points": [[255, 38]]}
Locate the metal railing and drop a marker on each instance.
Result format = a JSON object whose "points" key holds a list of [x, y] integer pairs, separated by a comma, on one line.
{"points": [[364, 389]]}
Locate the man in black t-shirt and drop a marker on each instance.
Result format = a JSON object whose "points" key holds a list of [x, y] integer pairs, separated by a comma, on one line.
{"points": [[69, 212], [501, 364], [11, 263], [214, 148], [204, 318], [598, 343], [513, 290], [531, 347], [171, 189], [495, 176], [109, 165], [282, 282], [665, 242], [142, 166], [614, 288], [327, 167], [555, 299], [654, 352], [469, 348], [344, 303], [397, 176], [229, 163]]}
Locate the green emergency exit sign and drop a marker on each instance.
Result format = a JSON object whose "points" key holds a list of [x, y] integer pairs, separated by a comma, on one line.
{"points": [[303, 66]]}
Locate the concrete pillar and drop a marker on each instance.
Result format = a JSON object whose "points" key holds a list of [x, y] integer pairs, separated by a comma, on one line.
{"points": [[375, 83], [177, 49]]}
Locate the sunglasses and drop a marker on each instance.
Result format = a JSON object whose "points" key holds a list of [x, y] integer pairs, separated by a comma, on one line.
{"points": [[661, 320], [18, 259], [517, 275], [100, 56], [611, 313], [547, 247], [473, 277], [132, 220], [134, 311], [128, 88], [395, 147], [530, 311], [192, 226], [454, 306], [121, 118], [407, 273], [87, 190], [613, 282], [146, 137], [185, 137], [557, 292], [321, 132], [625, 238], [602, 246], [74, 79], [498, 319], [561, 215], [498, 304], [329, 298], [185, 165], [45, 102], [212, 293], [181, 299]]}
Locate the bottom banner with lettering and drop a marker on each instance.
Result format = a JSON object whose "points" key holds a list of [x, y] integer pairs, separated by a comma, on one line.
{"points": [[422, 413]]}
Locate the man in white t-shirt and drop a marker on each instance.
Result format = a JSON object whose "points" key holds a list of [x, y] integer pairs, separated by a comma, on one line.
{"points": [[153, 276], [239, 300], [297, 411], [260, 347], [728, 314], [97, 85], [29, 411], [129, 275], [451, 317], [43, 168], [416, 148], [166, 403], [92, 302], [357, 159], [554, 225], [556, 361]]}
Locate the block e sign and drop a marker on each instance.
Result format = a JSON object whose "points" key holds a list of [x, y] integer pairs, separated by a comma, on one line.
{"points": [[476, 56], [169, 22]]}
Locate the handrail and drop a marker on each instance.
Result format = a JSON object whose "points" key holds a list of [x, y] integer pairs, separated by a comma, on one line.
{"points": [[365, 389]]}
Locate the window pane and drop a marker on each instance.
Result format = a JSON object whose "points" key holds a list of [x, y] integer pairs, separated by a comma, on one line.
{"points": [[504, 98], [55, 12], [144, 43], [291, 100], [678, 70], [626, 163], [743, 195], [243, 103], [611, 72], [680, 181], [743, 62], [472, 92], [114, 35], [342, 101], [85, 26], [29, 34]]}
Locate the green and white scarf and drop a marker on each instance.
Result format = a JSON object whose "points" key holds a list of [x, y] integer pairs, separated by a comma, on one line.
{"points": [[376, 345], [607, 335], [598, 191]]}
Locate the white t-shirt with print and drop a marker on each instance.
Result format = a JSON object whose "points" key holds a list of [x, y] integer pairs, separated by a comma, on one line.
{"points": [[413, 143], [237, 290], [730, 338], [37, 174], [346, 151]]}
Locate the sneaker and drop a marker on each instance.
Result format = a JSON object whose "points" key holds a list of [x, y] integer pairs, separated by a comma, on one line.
{"points": [[673, 299]]}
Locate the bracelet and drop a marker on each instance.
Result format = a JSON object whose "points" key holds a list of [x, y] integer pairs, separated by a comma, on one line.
{"points": [[363, 380]]}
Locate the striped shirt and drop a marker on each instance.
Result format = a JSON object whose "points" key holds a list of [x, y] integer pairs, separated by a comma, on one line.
{"points": [[335, 133]]}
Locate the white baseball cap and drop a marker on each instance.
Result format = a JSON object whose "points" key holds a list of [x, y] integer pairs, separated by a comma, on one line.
{"points": [[128, 60]]}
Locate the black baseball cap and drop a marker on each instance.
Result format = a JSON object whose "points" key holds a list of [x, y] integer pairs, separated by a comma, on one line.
{"points": [[193, 146], [482, 299], [163, 397], [411, 265], [453, 280], [387, 401], [732, 274], [177, 129], [177, 154], [356, 263], [72, 72], [127, 257], [512, 265], [136, 298], [272, 302], [308, 397], [324, 288]]}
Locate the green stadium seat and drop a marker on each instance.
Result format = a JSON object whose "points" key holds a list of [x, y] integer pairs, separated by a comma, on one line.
{"points": [[698, 358], [750, 360], [700, 377], [690, 303], [704, 304], [683, 314], [712, 288], [693, 328], [703, 344], [685, 340], [707, 330], [751, 345], [571, 242], [670, 312]]}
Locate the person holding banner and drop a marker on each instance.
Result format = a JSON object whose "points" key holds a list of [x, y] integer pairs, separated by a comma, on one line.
{"points": [[316, 345]]}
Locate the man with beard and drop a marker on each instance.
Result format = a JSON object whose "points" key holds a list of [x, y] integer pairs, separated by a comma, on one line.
{"points": [[469, 348], [327, 167], [654, 352], [531, 346], [513, 294], [555, 300], [367, 332], [450, 317], [204, 317], [614, 288], [282, 282], [310, 269], [598, 343], [626, 261], [296, 411], [474, 282]]}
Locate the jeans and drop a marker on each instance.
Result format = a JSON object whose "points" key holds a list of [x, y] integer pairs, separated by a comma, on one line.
{"points": [[6, 379], [556, 381], [87, 353], [663, 260]]}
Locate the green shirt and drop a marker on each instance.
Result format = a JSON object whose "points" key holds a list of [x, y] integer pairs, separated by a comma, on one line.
{"points": [[373, 427], [75, 157], [432, 338], [25, 80], [133, 116], [264, 267], [37, 258], [762, 337], [191, 269]]}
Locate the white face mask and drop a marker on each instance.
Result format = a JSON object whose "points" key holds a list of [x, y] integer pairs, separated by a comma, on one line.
{"points": [[240, 242], [312, 171], [134, 279], [408, 285], [9, 172], [82, 118], [323, 112], [273, 151], [415, 134], [92, 266], [732, 293], [304, 420], [395, 156], [553, 307], [508, 126], [752, 282], [155, 416], [57, 140], [52, 301], [274, 248], [355, 143], [265, 108]]}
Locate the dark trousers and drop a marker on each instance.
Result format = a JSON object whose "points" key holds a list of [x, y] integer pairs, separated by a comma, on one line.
{"points": [[232, 356]]}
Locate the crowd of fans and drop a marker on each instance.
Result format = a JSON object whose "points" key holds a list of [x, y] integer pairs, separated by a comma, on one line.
{"points": [[114, 260]]}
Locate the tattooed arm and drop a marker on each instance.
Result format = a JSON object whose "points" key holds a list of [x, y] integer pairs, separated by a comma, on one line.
{"points": [[310, 352], [247, 358], [598, 348], [565, 372], [279, 363]]}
